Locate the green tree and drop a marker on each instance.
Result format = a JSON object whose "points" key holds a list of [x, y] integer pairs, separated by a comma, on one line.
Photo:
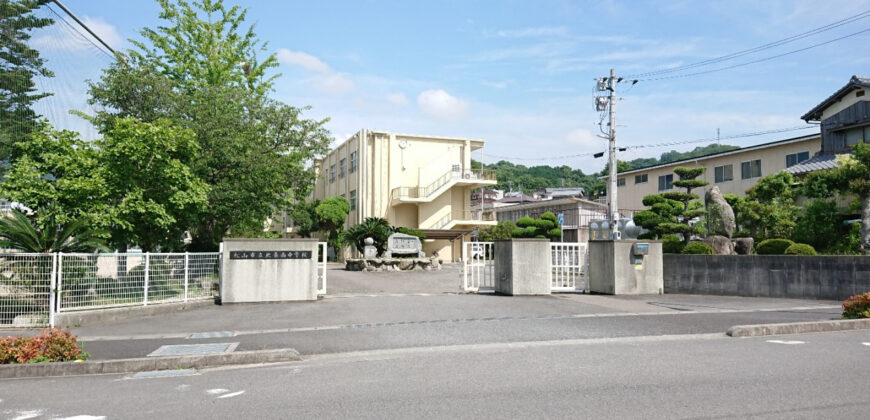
{"points": [[331, 215], [768, 210], [153, 195], [376, 228], [200, 70], [547, 226], [671, 212], [852, 178], [304, 217], [19, 65], [502, 230], [133, 183]]}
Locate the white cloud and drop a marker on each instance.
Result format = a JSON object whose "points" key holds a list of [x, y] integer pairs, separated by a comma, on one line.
{"points": [[325, 79], [333, 83], [496, 85], [104, 30], [441, 105], [544, 31], [398, 99], [584, 139], [304, 60]]}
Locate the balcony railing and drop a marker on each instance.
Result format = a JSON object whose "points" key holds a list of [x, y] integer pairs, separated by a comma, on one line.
{"points": [[426, 191], [464, 215]]}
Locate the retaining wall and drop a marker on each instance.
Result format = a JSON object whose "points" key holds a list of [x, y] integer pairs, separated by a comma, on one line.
{"points": [[788, 276]]}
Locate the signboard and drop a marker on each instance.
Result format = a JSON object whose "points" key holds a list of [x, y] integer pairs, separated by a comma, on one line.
{"points": [[270, 255], [561, 219]]}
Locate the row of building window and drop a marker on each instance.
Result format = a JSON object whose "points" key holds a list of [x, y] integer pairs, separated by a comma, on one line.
{"points": [[342, 168], [748, 170]]}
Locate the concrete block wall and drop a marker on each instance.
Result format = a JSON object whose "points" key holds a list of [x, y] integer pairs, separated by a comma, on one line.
{"points": [[786, 276]]}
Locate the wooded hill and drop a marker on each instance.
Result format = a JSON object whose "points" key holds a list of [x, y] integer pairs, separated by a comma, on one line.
{"points": [[529, 179]]}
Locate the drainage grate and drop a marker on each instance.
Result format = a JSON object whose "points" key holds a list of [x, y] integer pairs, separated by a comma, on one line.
{"points": [[216, 334], [192, 349], [164, 373]]}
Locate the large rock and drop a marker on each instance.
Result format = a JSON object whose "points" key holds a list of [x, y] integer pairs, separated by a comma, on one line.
{"points": [[720, 244], [743, 246], [720, 213]]}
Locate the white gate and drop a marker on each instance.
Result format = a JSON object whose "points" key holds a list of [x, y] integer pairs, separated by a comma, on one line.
{"points": [[570, 267], [478, 271], [321, 269]]}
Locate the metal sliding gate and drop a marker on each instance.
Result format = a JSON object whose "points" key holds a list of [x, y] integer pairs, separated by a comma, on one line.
{"points": [[568, 273], [478, 272], [570, 267]]}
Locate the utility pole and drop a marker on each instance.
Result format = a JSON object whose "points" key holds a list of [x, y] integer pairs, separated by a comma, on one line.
{"points": [[612, 202]]}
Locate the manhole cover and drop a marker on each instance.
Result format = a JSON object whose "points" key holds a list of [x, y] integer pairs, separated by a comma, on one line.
{"points": [[192, 349], [164, 373], [217, 334]]}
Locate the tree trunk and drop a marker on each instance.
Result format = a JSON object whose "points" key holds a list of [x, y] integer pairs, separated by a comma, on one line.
{"points": [[865, 224]]}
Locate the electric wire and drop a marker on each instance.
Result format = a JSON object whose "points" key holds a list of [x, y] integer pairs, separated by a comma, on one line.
{"points": [[101, 48], [767, 46], [663, 144]]}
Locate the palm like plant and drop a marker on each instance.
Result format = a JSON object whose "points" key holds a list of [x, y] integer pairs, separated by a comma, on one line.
{"points": [[17, 231]]}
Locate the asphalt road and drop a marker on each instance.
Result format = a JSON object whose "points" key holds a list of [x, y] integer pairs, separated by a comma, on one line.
{"points": [[689, 376]]}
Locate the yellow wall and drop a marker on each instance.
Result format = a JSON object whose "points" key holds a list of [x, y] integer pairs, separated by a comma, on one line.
{"points": [[630, 196], [847, 101]]}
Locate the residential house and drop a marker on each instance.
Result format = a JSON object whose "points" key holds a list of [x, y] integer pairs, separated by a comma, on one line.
{"points": [[418, 182], [557, 193], [576, 214], [733, 172]]}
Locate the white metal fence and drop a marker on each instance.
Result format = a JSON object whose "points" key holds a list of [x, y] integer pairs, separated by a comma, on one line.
{"points": [[568, 272], [33, 287], [569, 268], [321, 268], [478, 271], [26, 282]]}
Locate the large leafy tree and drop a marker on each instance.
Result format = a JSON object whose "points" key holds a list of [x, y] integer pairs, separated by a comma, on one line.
{"points": [[768, 210], [19, 65], [133, 183], [851, 178], [331, 215], [201, 70]]}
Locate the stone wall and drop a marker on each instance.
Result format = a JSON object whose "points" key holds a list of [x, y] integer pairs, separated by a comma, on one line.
{"points": [[787, 276]]}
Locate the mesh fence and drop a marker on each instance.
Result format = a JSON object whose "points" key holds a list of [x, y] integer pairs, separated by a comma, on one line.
{"points": [[25, 289], [92, 281]]}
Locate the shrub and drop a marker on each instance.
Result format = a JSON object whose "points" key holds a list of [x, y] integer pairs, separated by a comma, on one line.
{"points": [[800, 249], [672, 244], [51, 345], [698, 248], [525, 222], [857, 306], [773, 246]]}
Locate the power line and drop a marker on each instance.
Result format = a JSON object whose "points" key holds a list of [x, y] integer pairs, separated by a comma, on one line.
{"points": [[767, 46], [80, 23], [664, 144], [759, 60]]}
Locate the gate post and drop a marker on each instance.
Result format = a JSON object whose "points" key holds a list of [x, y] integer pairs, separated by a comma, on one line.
{"points": [[147, 269], [52, 289]]}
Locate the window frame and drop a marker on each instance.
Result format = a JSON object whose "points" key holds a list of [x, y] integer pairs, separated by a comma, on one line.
{"points": [[332, 174], [644, 177], [620, 182], [352, 200], [668, 182], [342, 168], [353, 162], [717, 179], [752, 167]]}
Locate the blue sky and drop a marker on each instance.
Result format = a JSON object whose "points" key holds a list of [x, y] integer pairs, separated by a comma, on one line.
{"points": [[520, 74]]}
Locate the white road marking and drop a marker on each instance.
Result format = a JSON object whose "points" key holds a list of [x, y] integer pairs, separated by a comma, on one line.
{"points": [[83, 417], [216, 391], [24, 415], [182, 387], [233, 394], [786, 342], [866, 344]]}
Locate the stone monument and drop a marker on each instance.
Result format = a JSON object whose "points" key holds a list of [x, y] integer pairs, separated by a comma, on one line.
{"points": [[370, 251], [721, 214], [404, 244]]}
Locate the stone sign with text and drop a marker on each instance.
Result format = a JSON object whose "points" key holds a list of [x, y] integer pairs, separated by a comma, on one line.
{"points": [[403, 244]]}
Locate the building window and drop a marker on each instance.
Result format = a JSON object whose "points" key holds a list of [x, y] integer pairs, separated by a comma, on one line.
{"points": [[666, 182], [353, 162], [332, 174], [620, 182], [751, 169], [723, 173], [795, 158], [342, 168], [641, 179], [353, 200]]}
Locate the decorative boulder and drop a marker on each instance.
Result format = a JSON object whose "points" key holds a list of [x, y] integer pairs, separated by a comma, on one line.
{"points": [[743, 246], [720, 244], [721, 215]]}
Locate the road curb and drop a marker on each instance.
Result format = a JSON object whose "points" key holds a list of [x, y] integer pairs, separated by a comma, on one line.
{"points": [[142, 364], [76, 319], [798, 327]]}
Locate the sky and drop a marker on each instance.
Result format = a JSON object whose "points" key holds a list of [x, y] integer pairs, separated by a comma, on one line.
{"points": [[521, 75]]}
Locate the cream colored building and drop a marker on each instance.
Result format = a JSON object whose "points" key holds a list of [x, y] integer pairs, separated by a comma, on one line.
{"points": [[733, 172], [418, 182]]}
